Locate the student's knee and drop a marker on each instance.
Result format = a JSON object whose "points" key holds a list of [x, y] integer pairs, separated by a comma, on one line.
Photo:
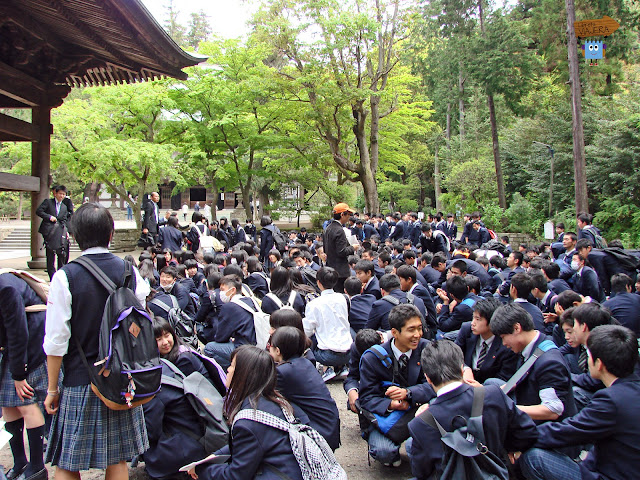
{"points": [[32, 415], [382, 448], [531, 463]]}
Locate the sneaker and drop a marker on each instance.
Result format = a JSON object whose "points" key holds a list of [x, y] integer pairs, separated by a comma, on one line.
{"points": [[394, 464], [328, 374], [343, 373]]}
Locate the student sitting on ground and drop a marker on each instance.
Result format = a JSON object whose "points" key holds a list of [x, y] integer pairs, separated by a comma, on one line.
{"points": [[610, 422], [301, 384], [506, 428], [366, 274], [256, 279], [359, 304], [290, 318], [281, 293]]}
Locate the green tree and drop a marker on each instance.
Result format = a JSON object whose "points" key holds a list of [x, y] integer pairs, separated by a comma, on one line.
{"points": [[171, 24], [199, 29]]}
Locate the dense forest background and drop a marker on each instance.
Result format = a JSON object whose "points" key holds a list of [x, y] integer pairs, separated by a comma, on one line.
{"points": [[450, 105]]}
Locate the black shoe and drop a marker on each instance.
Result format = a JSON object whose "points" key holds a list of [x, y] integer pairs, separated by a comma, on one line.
{"points": [[39, 475], [13, 473]]}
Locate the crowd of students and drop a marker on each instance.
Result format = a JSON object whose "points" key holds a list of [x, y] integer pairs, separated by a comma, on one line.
{"points": [[421, 321]]}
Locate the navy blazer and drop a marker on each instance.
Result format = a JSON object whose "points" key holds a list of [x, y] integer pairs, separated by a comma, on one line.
{"points": [[415, 232], [431, 317], [383, 230], [373, 288], [587, 284], [266, 241], [167, 417], [536, 315], [474, 268], [171, 238], [379, 316], [430, 274], [500, 362], [549, 371], [398, 233], [253, 445], [258, 284], [360, 308], [301, 384], [373, 373], [353, 378], [21, 334], [504, 287], [237, 323], [611, 424], [452, 232], [506, 427], [46, 210], [625, 307], [558, 285], [269, 306], [452, 321]]}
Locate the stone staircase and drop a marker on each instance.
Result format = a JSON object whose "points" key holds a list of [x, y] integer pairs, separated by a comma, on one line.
{"points": [[20, 239]]}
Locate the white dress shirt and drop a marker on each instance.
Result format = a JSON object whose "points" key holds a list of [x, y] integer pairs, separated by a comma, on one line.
{"points": [[476, 353], [327, 317], [548, 396], [58, 317]]}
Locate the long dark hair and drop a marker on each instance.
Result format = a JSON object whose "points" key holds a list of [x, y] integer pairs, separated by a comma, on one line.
{"points": [[291, 342], [298, 282], [254, 377], [281, 283], [162, 326]]}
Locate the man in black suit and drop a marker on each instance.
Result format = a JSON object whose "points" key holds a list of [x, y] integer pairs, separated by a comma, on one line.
{"points": [[484, 355], [54, 214], [336, 245], [449, 228], [151, 219], [623, 304]]}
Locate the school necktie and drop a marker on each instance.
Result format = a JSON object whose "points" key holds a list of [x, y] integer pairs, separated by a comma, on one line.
{"points": [[582, 360], [57, 209], [482, 356], [403, 361]]}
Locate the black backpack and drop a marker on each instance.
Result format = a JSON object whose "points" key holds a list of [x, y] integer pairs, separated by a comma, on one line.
{"points": [[280, 241], [128, 370], [207, 402], [465, 454], [182, 323]]}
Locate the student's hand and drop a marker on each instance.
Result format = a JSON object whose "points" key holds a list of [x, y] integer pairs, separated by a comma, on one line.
{"points": [[353, 396], [53, 219], [396, 393], [549, 317], [422, 409], [467, 375], [193, 473], [167, 215], [51, 403], [439, 308], [23, 389], [145, 231], [473, 383], [442, 294], [452, 305], [514, 456], [399, 405]]}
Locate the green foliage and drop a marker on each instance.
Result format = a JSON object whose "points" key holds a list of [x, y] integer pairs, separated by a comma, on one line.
{"points": [[493, 216], [523, 217], [473, 182]]}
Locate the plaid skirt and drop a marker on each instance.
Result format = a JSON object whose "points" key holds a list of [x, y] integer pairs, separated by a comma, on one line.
{"points": [[86, 434], [38, 381]]}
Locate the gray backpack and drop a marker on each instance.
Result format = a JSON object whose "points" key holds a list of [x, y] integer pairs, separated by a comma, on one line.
{"points": [[466, 457], [314, 456]]}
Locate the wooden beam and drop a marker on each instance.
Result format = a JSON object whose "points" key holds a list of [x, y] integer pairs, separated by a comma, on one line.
{"points": [[20, 86], [14, 128], [19, 183]]}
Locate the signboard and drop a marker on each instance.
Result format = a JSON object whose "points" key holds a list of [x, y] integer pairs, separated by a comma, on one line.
{"points": [[602, 27]]}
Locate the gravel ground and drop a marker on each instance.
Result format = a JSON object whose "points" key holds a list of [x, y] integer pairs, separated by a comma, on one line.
{"points": [[352, 455]]}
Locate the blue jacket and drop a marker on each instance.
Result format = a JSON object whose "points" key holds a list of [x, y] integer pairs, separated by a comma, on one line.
{"points": [[587, 284], [611, 424], [558, 285], [500, 362], [253, 445], [506, 428], [379, 316], [625, 307], [301, 384], [360, 308], [237, 323], [171, 238], [373, 288], [462, 312], [373, 373], [258, 284], [549, 371], [399, 232], [269, 306], [430, 274], [536, 315]]}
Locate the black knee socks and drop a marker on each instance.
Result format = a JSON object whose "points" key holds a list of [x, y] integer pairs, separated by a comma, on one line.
{"points": [[16, 443], [36, 460]]}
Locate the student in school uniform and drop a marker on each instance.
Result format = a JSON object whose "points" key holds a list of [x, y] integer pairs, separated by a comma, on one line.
{"points": [[484, 354], [83, 426], [256, 278], [610, 422], [408, 284], [300, 383], [365, 339], [457, 307], [359, 304], [379, 316], [365, 272], [281, 288], [23, 375], [519, 291], [506, 428], [255, 447]]}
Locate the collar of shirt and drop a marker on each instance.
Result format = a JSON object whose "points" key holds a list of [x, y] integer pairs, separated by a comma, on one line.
{"points": [[488, 341], [528, 350], [328, 291], [413, 287], [93, 250], [546, 296], [367, 284], [448, 388], [396, 352], [520, 300]]}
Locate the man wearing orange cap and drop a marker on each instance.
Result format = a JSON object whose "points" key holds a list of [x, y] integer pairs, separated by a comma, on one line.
{"points": [[336, 245]]}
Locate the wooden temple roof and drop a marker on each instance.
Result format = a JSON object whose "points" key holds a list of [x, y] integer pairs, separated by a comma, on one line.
{"points": [[49, 46]]}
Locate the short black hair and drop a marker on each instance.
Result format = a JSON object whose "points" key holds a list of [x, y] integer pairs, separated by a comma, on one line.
{"points": [[583, 243], [328, 277], [506, 316], [616, 346], [408, 254], [538, 281], [170, 270], [407, 272], [551, 270], [401, 314], [352, 286], [460, 265], [584, 218], [486, 307], [438, 259], [517, 256], [567, 317], [523, 285], [567, 298], [592, 315], [60, 188], [620, 282], [365, 266], [389, 282], [473, 283], [291, 342], [442, 361], [92, 226], [232, 281], [365, 339], [385, 258], [457, 287]]}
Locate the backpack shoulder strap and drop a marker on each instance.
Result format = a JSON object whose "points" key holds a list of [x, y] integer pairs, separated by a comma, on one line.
{"points": [[173, 368], [243, 305], [526, 366], [98, 274], [262, 417], [383, 356], [411, 298], [172, 382], [391, 299], [292, 298], [275, 298], [478, 401], [174, 301], [160, 304], [430, 420]]}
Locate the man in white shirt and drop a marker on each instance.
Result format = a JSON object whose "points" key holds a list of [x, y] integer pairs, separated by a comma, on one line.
{"points": [[326, 322]]}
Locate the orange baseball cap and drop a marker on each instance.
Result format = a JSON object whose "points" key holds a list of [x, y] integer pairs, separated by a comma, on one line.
{"points": [[342, 207]]}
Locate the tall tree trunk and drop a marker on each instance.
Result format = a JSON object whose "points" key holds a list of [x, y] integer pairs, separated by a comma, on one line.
{"points": [[579, 163], [496, 151], [461, 101], [216, 195], [19, 215], [447, 132], [437, 179]]}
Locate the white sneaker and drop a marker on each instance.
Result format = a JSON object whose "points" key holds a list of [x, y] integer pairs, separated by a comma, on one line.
{"points": [[343, 373], [328, 374], [395, 464]]}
